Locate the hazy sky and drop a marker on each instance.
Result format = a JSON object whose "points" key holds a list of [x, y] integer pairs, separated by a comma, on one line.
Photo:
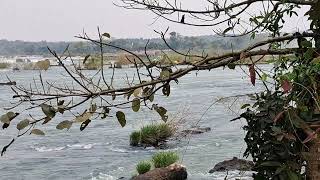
{"points": [[57, 20]]}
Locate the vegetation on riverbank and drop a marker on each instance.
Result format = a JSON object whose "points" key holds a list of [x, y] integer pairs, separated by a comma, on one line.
{"points": [[4, 65], [159, 160], [152, 135]]}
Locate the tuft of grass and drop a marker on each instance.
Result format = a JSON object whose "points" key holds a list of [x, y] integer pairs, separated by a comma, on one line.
{"points": [[164, 159], [4, 65], [135, 138], [155, 133], [143, 167]]}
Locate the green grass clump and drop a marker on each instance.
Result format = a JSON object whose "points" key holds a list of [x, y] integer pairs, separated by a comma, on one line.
{"points": [[135, 138], [164, 159], [143, 167], [155, 133]]}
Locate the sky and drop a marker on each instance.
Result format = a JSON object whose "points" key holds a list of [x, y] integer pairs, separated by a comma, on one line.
{"points": [[61, 20]]}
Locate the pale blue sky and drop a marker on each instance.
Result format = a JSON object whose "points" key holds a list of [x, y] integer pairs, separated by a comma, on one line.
{"points": [[56, 20]]}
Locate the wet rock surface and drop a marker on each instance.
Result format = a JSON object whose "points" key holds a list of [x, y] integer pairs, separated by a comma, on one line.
{"points": [[172, 172], [233, 164]]}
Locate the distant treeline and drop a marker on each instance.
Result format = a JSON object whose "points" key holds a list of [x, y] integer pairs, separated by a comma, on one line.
{"points": [[196, 43]]}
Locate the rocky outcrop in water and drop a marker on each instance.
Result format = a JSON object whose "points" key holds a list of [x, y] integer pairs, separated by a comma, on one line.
{"points": [[196, 130], [172, 172], [233, 164]]}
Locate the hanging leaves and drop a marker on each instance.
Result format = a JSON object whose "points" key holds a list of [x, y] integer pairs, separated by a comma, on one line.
{"points": [[252, 73], [22, 124], [161, 111], [137, 92], [8, 117], [37, 132], [166, 89], [136, 104], [48, 110], [121, 118], [64, 125], [85, 116], [84, 124]]}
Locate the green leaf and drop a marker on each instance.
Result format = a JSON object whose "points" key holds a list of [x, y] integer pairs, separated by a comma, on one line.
{"points": [[46, 120], [264, 77], [64, 125], [121, 118], [161, 111], [84, 124], [165, 74], [106, 35], [245, 106], [9, 116], [93, 108], [231, 65], [22, 124], [37, 132], [48, 110], [137, 92], [227, 30], [85, 116], [136, 104], [166, 89], [151, 98]]}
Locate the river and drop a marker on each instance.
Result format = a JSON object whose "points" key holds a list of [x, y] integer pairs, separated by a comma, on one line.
{"points": [[102, 150]]}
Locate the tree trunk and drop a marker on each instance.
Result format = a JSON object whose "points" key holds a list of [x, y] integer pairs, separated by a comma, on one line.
{"points": [[313, 160]]}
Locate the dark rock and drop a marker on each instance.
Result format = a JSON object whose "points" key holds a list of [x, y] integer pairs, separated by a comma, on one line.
{"points": [[196, 130], [233, 164], [172, 172]]}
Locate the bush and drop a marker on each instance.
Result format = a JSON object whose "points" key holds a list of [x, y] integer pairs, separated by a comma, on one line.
{"points": [[164, 159], [4, 65], [155, 133], [135, 138], [143, 167]]}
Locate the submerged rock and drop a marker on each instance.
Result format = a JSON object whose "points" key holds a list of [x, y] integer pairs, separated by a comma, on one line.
{"points": [[233, 164], [196, 130], [172, 172]]}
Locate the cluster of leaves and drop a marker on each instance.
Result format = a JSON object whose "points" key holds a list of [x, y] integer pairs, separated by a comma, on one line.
{"points": [[281, 123]]}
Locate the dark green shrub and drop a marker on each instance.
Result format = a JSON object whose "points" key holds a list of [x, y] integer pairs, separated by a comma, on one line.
{"points": [[155, 133], [143, 167], [164, 159], [135, 138]]}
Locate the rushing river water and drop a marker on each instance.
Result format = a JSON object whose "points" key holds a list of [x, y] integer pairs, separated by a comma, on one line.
{"points": [[102, 151]]}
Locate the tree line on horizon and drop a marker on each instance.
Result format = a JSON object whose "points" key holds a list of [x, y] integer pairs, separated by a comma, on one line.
{"points": [[176, 41]]}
